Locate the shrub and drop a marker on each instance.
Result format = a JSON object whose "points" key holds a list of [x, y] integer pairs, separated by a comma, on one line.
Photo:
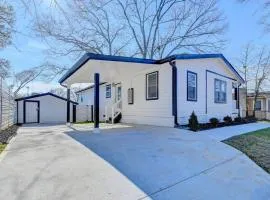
{"points": [[227, 119], [193, 123], [238, 119], [214, 121]]}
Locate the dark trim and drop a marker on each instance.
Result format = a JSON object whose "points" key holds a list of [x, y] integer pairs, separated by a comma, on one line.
{"points": [[206, 91], [44, 94], [215, 101], [132, 96], [221, 75], [206, 86], [89, 87], [91, 56], [24, 111], [238, 100], [174, 93], [17, 104], [96, 101], [74, 113], [110, 96], [156, 98], [68, 105], [196, 97], [92, 113]]}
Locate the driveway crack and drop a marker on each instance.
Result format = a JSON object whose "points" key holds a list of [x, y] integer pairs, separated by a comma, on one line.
{"points": [[193, 176]]}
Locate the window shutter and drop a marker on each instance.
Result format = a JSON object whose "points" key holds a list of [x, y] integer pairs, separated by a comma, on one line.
{"points": [[130, 96]]}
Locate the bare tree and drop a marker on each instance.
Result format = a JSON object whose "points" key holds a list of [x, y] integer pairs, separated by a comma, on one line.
{"points": [[44, 72], [62, 92], [261, 73], [145, 28], [6, 29], [245, 68], [264, 11]]}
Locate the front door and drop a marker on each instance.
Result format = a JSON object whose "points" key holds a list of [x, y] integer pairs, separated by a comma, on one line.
{"points": [[31, 111]]}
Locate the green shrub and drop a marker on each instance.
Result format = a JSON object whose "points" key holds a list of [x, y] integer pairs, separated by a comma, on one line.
{"points": [[193, 123], [238, 119], [227, 119], [214, 121]]}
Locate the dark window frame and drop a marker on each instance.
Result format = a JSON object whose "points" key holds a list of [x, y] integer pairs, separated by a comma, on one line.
{"points": [[132, 96], [255, 107], [196, 87], [108, 96], [146, 86], [215, 99]]}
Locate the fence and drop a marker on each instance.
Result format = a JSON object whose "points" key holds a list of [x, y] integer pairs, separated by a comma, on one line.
{"points": [[7, 106]]}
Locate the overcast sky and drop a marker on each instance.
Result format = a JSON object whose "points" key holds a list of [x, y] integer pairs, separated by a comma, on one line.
{"points": [[28, 51]]}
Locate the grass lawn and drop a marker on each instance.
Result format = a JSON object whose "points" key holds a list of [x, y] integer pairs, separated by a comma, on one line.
{"points": [[255, 145], [2, 147]]}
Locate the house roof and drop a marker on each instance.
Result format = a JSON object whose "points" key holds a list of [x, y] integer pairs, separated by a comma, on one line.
{"points": [[44, 94], [92, 56], [89, 87]]}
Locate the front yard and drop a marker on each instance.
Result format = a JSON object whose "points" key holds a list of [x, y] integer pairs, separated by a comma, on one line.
{"points": [[255, 145]]}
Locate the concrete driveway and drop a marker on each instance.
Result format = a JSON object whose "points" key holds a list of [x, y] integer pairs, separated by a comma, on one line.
{"points": [[125, 162]]}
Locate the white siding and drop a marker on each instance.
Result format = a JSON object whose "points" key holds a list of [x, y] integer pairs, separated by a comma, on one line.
{"points": [[200, 66], [52, 109], [88, 100], [152, 112]]}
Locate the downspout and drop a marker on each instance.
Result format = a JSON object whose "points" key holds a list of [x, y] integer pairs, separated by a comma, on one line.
{"points": [[174, 92]]}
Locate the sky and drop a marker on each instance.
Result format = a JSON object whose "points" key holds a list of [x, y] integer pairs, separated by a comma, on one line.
{"points": [[243, 27]]}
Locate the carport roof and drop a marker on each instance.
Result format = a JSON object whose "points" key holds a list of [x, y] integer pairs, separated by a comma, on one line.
{"points": [[92, 56], [43, 94]]}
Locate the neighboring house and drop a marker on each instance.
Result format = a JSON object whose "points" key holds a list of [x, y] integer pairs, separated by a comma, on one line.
{"points": [[262, 105], [85, 98], [44, 108], [161, 92]]}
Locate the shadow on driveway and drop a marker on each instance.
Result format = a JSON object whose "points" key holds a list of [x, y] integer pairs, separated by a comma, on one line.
{"points": [[157, 159]]}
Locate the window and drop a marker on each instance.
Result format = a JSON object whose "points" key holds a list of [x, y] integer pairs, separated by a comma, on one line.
{"points": [[130, 96], [268, 105], [119, 89], [108, 91], [220, 91], [152, 86], [191, 86], [258, 105], [81, 98]]}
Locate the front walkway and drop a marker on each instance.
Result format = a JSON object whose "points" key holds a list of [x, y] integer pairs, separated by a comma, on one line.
{"points": [[125, 162], [227, 132]]}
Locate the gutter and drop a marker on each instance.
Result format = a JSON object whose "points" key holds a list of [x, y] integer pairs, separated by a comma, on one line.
{"points": [[174, 92]]}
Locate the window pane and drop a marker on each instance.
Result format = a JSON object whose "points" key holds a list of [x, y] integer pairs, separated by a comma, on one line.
{"points": [[220, 91], [258, 105], [108, 91], [191, 86], [152, 85]]}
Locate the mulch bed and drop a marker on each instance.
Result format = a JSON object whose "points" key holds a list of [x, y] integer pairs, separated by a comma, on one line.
{"points": [[256, 148], [7, 134]]}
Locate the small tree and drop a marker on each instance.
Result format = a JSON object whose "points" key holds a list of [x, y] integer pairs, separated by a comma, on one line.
{"points": [[193, 123]]}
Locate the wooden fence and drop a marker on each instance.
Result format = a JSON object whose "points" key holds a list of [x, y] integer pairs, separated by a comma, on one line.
{"points": [[7, 106]]}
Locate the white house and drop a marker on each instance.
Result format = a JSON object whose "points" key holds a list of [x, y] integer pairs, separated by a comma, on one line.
{"points": [[44, 108], [160, 92]]}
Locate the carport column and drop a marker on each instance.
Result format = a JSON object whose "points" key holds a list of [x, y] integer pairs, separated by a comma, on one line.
{"points": [[68, 105], [96, 104]]}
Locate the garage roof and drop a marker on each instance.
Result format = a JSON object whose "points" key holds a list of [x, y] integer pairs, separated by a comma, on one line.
{"points": [[44, 94]]}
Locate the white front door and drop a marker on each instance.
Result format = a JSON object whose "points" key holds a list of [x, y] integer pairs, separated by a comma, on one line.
{"points": [[31, 112]]}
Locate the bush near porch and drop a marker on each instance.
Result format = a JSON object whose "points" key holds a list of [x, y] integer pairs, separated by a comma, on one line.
{"points": [[194, 125], [256, 145]]}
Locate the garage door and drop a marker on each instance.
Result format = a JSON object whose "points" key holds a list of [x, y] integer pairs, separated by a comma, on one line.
{"points": [[31, 111]]}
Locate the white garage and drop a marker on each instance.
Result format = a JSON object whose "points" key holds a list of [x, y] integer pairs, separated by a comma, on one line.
{"points": [[44, 108]]}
